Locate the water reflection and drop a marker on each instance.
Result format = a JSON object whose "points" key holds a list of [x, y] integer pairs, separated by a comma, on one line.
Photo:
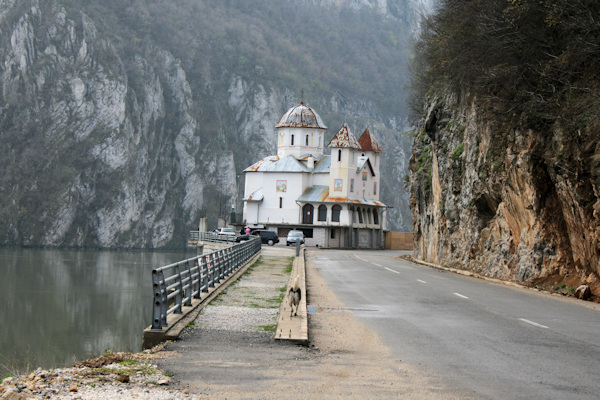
{"points": [[61, 306]]}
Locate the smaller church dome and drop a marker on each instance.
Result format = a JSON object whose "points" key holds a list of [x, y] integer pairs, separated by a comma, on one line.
{"points": [[301, 116]]}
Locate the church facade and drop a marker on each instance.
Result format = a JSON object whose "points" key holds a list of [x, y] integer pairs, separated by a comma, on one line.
{"points": [[333, 198]]}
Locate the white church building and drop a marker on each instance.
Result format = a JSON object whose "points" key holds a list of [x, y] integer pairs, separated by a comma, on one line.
{"points": [[333, 198]]}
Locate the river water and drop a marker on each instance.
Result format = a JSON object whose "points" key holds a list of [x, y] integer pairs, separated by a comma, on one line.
{"points": [[58, 307]]}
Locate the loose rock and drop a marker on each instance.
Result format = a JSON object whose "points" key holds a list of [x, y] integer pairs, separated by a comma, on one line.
{"points": [[583, 292]]}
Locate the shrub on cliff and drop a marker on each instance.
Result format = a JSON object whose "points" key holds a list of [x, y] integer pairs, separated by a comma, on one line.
{"points": [[523, 55], [531, 63]]}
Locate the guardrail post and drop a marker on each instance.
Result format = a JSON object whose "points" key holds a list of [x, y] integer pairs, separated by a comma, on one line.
{"points": [[236, 252], [225, 262], [204, 272], [179, 294], [221, 265], [189, 287], [197, 288], [210, 267], [217, 264], [159, 317], [157, 305]]}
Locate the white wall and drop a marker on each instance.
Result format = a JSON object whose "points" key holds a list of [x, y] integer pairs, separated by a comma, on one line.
{"points": [[341, 170], [270, 212], [284, 141]]}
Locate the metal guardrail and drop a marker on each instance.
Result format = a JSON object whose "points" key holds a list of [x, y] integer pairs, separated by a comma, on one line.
{"points": [[211, 237], [175, 285]]}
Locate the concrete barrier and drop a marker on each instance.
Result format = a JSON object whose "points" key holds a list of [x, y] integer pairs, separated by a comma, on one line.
{"points": [[294, 328]]}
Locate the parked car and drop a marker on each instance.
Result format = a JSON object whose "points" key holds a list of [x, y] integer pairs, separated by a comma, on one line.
{"points": [[226, 231], [268, 237], [293, 237], [242, 238]]}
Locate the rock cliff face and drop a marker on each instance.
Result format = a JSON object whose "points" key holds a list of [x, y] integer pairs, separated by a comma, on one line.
{"points": [[105, 141], [513, 205], [100, 162]]}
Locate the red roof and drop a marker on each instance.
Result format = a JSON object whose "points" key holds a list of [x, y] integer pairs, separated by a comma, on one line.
{"points": [[368, 143]]}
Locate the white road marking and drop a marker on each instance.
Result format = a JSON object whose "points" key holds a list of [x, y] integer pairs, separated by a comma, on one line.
{"points": [[378, 265], [391, 270], [533, 323], [359, 258], [418, 280], [460, 295]]}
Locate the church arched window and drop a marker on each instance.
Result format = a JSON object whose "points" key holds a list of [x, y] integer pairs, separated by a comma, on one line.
{"points": [[306, 140], [307, 214], [339, 155], [335, 213], [322, 212], [292, 140]]}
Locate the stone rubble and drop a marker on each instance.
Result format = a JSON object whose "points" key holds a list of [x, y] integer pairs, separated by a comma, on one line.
{"points": [[112, 376]]}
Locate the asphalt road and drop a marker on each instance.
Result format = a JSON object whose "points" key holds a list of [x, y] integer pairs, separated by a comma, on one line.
{"points": [[476, 338]]}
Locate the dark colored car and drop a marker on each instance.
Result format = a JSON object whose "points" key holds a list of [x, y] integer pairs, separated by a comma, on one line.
{"points": [[268, 237], [242, 238]]}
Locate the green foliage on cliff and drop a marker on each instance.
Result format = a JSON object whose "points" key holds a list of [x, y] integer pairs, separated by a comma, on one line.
{"points": [[535, 58], [530, 64], [458, 151]]}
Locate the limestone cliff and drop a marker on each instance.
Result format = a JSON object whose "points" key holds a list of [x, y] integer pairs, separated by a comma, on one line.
{"points": [[122, 122], [506, 203]]}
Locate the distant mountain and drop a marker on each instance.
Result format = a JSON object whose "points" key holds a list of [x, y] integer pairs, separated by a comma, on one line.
{"points": [[123, 121]]}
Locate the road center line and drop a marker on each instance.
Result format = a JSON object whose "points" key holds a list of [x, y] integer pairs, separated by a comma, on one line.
{"points": [[418, 280], [377, 265], [391, 270], [359, 258], [460, 295], [533, 323]]}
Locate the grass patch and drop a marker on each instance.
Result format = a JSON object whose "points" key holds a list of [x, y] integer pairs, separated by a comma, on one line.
{"points": [[268, 328], [290, 266], [276, 300], [219, 299], [129, 363], [192, 324], [562, 288]]}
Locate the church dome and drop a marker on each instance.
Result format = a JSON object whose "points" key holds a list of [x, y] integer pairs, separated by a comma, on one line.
{"points": [[301, 116]]}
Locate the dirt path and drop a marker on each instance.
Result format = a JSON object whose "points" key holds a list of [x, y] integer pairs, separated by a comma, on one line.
{"points": [[345, 358]]}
